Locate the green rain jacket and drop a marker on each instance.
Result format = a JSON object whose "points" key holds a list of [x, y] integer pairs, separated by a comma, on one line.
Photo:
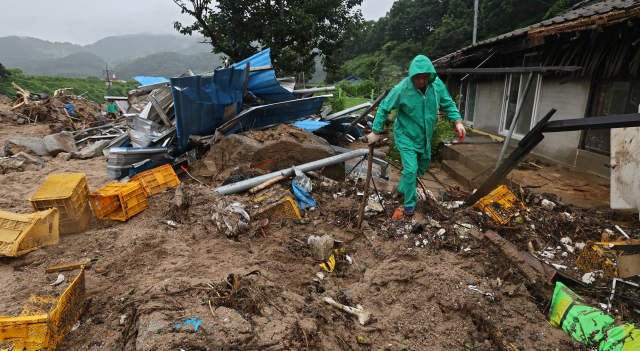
{"points": [[416, 113]]}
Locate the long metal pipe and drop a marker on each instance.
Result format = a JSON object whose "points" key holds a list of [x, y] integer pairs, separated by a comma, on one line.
{"points": [[515, 119], [311, 166], [314, 90], [475, 22]]}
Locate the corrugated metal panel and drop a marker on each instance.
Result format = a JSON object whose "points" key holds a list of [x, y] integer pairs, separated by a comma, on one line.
{"points": [[263, 84], [144, 80], [200, 102], [259, 117]]}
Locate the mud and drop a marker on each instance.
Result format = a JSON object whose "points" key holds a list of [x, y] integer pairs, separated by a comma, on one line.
{"points": [[153, 283]]}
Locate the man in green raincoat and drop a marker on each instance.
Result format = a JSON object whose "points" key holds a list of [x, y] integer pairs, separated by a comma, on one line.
{"points": [[417, 100]]}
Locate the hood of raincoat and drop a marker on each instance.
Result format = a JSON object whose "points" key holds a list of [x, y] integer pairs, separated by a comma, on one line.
{"points": [[422, 64]]}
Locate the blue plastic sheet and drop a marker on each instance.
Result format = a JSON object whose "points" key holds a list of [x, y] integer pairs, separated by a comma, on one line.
{"points": [[70, 109], [310, 126], [144, 80], [263, 84], [303, 199], [200, 102]]}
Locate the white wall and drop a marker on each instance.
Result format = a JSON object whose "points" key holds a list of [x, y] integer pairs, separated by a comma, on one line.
{"points": [[489, 105], [570, 99]]}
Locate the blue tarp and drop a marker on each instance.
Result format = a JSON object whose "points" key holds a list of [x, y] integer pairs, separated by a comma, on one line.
{"points": [[263, 84], [303, 199], [144, 80], [200, 102], [271, 115], [70, 109], [310, 126]]}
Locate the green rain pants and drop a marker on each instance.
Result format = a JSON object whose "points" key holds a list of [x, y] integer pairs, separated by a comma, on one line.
{"points": [[413, 163]]}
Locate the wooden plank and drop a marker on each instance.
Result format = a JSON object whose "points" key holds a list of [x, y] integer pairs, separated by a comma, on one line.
{"points": [[69, 267]]}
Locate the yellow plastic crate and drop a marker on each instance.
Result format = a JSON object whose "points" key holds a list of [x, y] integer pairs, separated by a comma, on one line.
{"points": [[44, 321], [154, 181], [76, 225], [501, 204], [283, 208], [593, 259], [23, 233], [66, 192], [119, 201]]}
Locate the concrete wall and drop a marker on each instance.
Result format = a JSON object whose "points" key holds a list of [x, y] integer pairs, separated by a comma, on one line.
{"points": [[489, 105], [570, 99]]}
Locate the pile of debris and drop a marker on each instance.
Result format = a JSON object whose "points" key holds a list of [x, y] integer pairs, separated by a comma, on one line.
{"points": [[74, 111]]}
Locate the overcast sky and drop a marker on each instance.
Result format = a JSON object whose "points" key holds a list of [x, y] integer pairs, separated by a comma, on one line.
{"points": [[87, 21]]}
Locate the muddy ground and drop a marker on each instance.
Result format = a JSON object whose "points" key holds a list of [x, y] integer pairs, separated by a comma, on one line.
{"points": [[153, 285]]}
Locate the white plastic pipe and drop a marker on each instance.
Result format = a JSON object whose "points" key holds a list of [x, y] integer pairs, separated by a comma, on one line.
{"points": [[311, 166]]}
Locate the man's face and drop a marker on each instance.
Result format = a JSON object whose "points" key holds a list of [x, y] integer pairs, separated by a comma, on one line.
{"points": [[421, 79]]}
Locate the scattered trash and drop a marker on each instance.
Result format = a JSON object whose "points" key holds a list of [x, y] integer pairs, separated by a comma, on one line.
{"points": [[195, 322], [59, 280], [363, 315], [592, 259], [547, 205], [474, 288], [321, 246]]}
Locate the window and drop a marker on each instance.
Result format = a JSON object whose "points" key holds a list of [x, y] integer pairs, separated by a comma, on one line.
{"points": [[514, 89], [614, 97]]}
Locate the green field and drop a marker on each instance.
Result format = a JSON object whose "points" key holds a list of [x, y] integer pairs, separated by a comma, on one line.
{"points": [[95, 89]]}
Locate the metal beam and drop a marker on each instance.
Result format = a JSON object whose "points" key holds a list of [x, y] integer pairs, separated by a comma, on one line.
{"points": [[363, 114], [515, 119], [506, 70], [528, 143], [347, 111], [604, 122]]}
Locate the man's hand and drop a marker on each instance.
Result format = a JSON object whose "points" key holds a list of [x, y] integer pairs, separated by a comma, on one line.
{"points": [[461, 131], [372, 138]]}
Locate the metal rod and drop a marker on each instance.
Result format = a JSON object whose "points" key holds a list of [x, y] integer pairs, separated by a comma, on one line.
{"points": [[366, 187], [475, 22], [311, 166], [481, 63], [354, 167], [515, 119], [313, 90], [506, 70], [380, 199]]}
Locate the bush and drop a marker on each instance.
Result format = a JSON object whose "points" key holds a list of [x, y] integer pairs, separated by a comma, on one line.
{"points": [[357, 89], [442, 132], [336, 104]]}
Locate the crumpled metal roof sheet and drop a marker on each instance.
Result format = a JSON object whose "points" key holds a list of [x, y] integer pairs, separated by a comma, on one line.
{"points": [[144, 80], [200, 102], [263, 84], [260, 117]]}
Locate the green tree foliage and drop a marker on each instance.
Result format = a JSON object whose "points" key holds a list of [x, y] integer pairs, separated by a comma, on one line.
{"points": [[3, 71], [297, 31], [433, 28]]}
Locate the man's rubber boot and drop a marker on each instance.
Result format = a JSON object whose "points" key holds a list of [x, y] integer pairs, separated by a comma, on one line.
{"points": [[409, 211]]}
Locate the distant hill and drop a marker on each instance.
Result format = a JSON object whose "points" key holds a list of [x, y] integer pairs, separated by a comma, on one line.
{"points": [[128, 47], [168, 64], [80, 65], [16, 51]]}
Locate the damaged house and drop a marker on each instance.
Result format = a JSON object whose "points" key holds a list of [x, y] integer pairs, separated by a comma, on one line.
{"points": [[583, 63]]}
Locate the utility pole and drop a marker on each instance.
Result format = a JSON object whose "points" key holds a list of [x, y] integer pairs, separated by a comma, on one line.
{"points": [[107, 72], [475, 22]]}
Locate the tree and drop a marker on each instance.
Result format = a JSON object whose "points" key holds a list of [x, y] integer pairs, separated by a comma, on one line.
{"points": [[297, 31], [3, 71]]}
